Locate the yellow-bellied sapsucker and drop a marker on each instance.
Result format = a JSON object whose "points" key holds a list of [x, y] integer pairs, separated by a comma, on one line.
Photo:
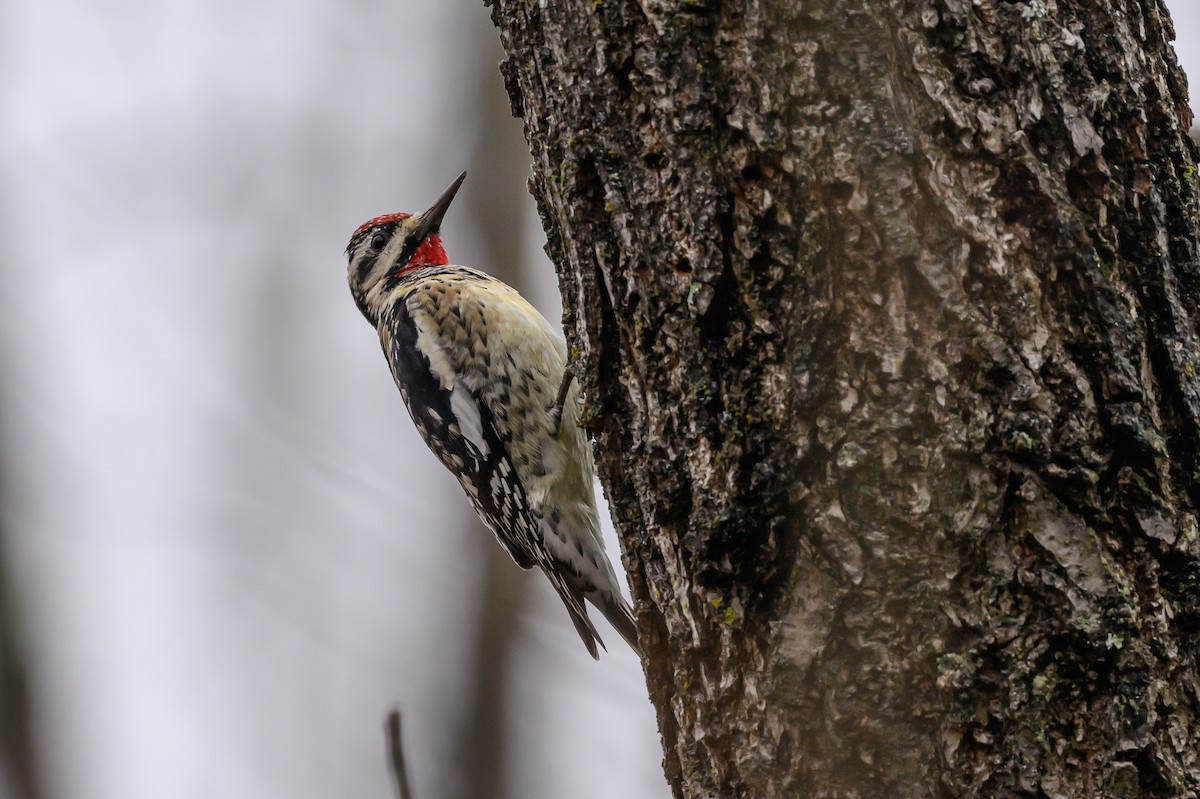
{"points": [[485, 379]]}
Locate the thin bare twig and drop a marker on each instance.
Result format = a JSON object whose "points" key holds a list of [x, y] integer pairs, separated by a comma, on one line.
{"points": [[396, 755]]}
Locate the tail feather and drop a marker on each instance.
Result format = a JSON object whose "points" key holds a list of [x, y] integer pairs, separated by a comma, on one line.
{"points": [[609, 603], [573, 599], [620, 616], [586, 630]]}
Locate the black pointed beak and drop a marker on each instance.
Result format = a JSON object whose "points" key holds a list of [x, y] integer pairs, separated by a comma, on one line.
{"points": [[431, 220]]}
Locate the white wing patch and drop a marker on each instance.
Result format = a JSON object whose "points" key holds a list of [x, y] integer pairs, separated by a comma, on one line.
{"points": [[466, 413], [439, 361], [463, 404]]}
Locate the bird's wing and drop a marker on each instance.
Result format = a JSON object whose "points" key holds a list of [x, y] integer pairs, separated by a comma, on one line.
{"points": [[458, 428], [472, 405]]}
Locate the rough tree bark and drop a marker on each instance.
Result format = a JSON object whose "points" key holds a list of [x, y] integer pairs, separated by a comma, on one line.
{"points": [[889, 316]]}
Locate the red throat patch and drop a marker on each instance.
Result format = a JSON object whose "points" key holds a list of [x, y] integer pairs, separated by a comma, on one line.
{"points": [[429, 253]]}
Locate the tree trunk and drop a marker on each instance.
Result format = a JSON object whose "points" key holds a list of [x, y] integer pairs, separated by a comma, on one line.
{"points": [[889, 316]]}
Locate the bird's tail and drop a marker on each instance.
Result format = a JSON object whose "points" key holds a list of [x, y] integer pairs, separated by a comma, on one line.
{"points": [[619, 615], [585, 628], [573, 598], [609, 603]]}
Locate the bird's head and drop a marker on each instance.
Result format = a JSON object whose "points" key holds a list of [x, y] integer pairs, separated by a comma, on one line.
{"points": [[393, 244]]}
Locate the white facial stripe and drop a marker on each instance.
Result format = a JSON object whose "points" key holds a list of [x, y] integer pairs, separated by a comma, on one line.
{"points": [[384, 262]]}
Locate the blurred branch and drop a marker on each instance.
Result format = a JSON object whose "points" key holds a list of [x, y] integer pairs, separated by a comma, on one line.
{"points": [[18, 772], [396, 755], [16, 739]]}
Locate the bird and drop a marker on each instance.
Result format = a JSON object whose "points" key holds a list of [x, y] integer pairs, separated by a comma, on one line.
{"points": [[487, 383]]}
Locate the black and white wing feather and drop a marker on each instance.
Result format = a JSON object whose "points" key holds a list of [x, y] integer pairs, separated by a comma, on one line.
{"points": [[459, 413], [460, 431]]}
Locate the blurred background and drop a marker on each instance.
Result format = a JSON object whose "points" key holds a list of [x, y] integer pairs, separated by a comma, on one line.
{"points": [[224, 552]]}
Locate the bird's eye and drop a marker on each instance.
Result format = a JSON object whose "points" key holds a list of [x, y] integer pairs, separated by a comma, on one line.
{"points": [[377, 242]]}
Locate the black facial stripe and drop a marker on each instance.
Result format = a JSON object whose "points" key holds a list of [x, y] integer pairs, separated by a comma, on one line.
{"points": [[410, 247], [387, 229], [364, 268]]}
